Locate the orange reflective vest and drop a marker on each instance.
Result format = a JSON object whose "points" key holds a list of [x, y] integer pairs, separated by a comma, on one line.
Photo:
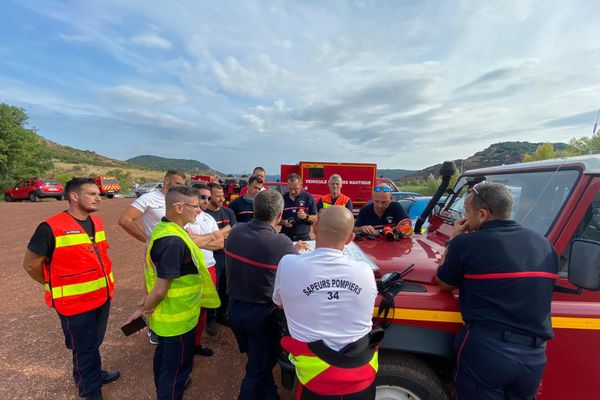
{"points": [[329, 373], [79, 275], [342, 200]]}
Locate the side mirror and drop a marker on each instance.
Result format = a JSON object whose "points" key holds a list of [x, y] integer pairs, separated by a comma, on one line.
{"points": [[584, 264]]}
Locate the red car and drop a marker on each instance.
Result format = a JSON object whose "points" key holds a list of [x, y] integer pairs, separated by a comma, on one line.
{"points": [[34, 189]]}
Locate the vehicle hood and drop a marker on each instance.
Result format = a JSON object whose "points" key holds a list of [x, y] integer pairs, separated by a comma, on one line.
{"points": [[420, 250]]}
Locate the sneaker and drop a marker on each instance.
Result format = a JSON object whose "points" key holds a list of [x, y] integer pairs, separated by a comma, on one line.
{"points": [[152, 337], [203, 351], [211, 328], [110, 376]]}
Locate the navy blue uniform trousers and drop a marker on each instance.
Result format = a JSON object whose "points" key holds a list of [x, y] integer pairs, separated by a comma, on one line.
{"points": [[490, 368], [257, 332], [84, 333], [173, 361]]}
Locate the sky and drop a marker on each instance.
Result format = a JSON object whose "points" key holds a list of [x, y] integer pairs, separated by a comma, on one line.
{"points": [[235, 84]]}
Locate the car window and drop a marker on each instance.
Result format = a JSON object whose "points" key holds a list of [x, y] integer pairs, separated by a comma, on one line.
{"points": [[50, 182], [538, 196], [588, 228], [110, 181]]}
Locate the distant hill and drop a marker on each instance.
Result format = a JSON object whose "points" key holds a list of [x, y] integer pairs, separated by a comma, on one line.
{"points": [[394, 174], [164, 164], [496, 154]]}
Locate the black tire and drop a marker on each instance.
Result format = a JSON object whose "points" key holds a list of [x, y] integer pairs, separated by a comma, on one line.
{"points": [[407, 376], [7, 198], [33, 197], [110, 195]]}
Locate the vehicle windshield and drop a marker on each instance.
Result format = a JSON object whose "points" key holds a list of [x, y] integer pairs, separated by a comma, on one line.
{"points": [[110, 181], [148, 185], [538, 196], [48, 182]]}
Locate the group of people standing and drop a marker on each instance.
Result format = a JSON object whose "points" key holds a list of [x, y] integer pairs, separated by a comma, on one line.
{"points": [[242, 266]]}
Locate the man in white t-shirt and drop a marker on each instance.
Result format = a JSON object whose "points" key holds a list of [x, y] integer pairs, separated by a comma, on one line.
{"points": [[205, 233], [327, 296], [149, 208]]}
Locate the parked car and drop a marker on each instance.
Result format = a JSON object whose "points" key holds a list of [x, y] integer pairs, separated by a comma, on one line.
{"points": [[404, 195], [148, 187], [34, 189], [414, 207]]}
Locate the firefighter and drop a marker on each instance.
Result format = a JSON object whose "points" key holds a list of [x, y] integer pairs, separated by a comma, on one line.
{"points": [[382, 212], [68, 254], [330, 346], [242, 206], [149, 208], [335, 196], [505, 274], [178, 285], [299, 210], [252, 252]]}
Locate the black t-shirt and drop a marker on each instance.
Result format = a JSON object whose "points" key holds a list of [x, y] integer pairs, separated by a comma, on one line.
{"points": [[171, 257], [301, 228], [333, 200], [506, 277], [391, 216], [243, 209], [43, 242], [224, 216]]}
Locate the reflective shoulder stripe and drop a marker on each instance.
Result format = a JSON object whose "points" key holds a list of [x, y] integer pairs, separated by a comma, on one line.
{"points": [[78, 288], [72, 240], [100, 236]]}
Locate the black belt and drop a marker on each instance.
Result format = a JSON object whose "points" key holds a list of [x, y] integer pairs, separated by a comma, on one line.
{"points": [[509, 336]]}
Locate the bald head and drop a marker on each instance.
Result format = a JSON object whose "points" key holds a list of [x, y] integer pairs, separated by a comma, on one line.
{"points": [[334, 227]]}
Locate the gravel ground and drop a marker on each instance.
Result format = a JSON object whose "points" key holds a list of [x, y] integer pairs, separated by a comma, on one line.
{"points": [[34, 363]]}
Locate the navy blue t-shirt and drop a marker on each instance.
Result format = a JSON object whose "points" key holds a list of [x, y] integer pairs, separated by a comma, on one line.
{"points": [[301, 228], [243, 209], [172, 257], [506, 277], [391, 216]]}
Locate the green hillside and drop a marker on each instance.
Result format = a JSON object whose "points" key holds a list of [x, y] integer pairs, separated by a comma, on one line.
{"points": [[496, 154], [164, 164], [394, 174]]}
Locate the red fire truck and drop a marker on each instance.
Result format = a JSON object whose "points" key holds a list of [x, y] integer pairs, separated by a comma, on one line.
{"points": [[358, 180], [556, 198]]}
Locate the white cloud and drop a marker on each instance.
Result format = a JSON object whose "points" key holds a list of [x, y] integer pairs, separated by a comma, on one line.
{"points": [[151, 40]]}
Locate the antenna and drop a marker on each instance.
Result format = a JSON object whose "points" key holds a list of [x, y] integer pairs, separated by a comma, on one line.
{"points": [[596, 124]]}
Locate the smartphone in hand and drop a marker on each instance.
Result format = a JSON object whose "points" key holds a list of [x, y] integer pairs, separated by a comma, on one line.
{"points": [[134, 326]]}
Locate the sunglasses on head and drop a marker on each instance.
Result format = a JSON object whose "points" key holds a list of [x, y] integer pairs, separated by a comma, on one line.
{"points": [[205, 197], [382, 189], [476, 192]]}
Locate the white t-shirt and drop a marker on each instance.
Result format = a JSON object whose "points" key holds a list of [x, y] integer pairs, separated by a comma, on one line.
{"points": [[153, 207], [326, 296], [205, 223]]}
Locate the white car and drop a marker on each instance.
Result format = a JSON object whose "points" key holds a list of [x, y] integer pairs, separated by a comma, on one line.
{"points": [[148, 187]]}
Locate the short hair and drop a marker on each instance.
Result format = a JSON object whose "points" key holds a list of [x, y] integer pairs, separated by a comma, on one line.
{"points": [[258, 169], [293, 177], [176, 192], [267, 205], [75, 184], [173, 172], [215, 185], [335, 177], [200, 185], [256, 179], [495, 197]]}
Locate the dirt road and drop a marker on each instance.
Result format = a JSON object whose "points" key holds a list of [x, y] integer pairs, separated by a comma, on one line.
{"points": [[34, 362]]}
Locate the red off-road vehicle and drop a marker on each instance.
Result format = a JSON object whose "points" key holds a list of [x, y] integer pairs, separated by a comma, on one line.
{"points": [[559, 199]]}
